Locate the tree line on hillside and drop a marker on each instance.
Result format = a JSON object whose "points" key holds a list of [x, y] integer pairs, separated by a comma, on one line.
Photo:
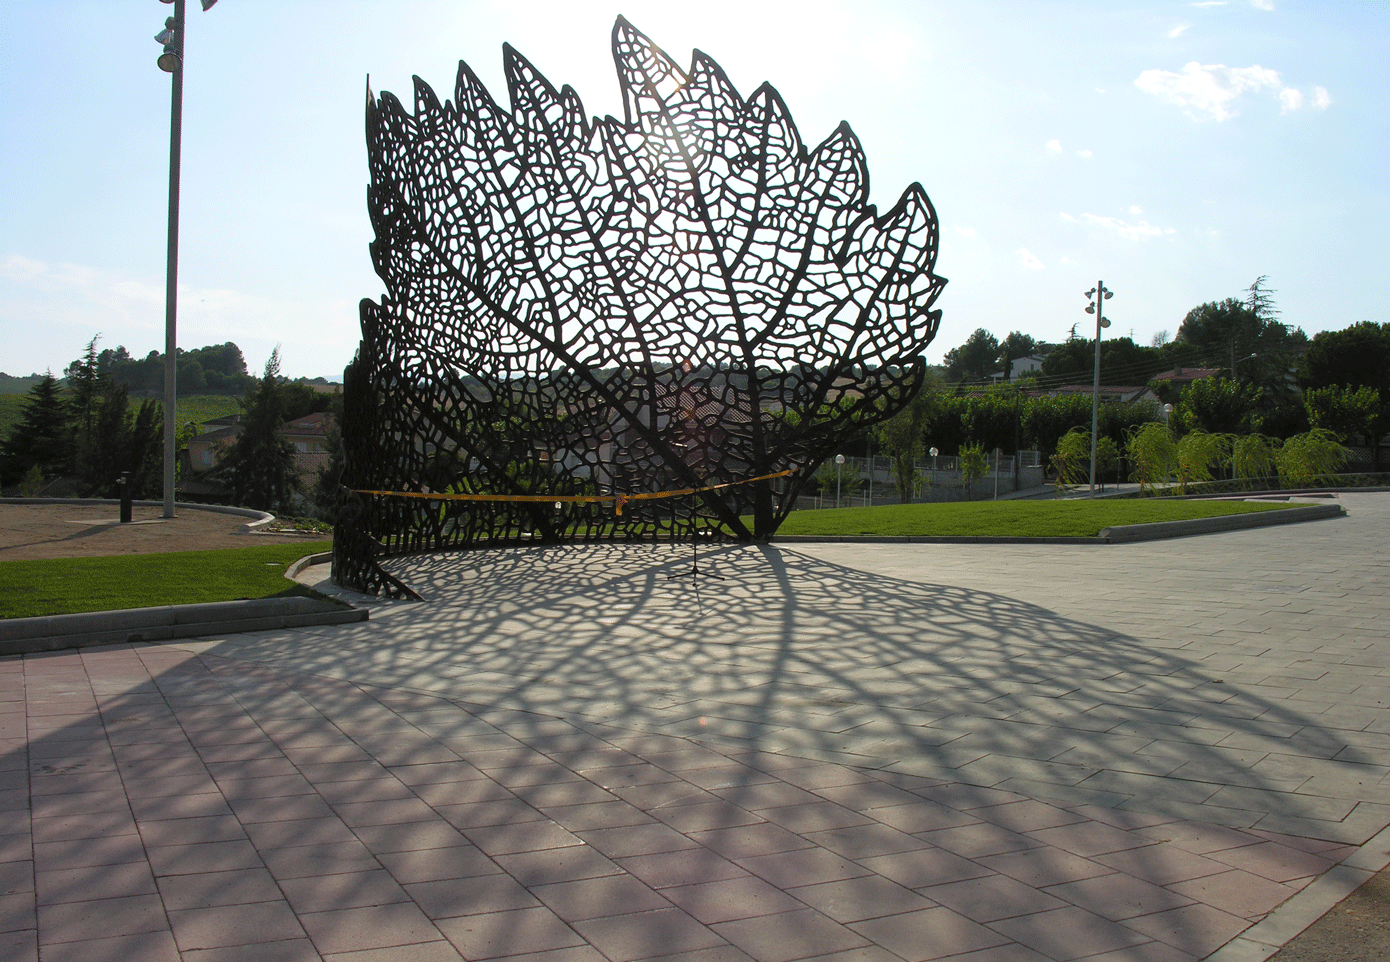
{"points": [[1242, 337], [90, 430], [215, 369], [1338, 384]]}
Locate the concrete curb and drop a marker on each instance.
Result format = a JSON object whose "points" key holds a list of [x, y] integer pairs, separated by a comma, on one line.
{"points": [[1279, 927], [923, 539], [1124, 534], [261, 518], [1119, 534], [23, 636]]}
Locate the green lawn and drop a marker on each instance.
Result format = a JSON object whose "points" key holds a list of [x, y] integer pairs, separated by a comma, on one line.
{"points": [[66, 585], [1014, 519]]}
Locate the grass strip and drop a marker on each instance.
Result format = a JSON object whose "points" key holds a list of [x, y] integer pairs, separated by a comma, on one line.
{"points": [[60, 586], [1009, 519]]}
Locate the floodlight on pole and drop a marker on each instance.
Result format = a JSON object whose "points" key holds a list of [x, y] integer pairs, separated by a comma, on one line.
{"points": [[171, 62], [1097, 308]]}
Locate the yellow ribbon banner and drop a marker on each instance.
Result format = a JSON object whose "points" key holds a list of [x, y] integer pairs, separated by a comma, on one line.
{"points": [[618, 499]]}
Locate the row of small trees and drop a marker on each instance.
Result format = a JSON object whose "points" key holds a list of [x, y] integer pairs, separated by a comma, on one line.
{"points": [[1158, 459]]}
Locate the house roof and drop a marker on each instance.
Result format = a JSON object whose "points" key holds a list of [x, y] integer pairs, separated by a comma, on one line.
{"points": [[1187, 374], [311, 425], [217, 434]]}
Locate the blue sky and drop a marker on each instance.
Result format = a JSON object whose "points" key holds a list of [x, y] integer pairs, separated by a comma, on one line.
{"points": [[1175, 150]]}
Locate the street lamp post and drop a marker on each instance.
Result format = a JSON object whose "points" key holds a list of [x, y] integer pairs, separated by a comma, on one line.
{"points": [[171, 62], [1097, 308], [839, 473]]}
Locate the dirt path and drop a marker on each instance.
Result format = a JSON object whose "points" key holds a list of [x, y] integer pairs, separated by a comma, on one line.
{"points": [[33, 531]]}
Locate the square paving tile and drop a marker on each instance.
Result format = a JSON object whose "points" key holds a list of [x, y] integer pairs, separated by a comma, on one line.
{"points": [[599, 897], [1278, 863], [234, 925], [930, 866], [929, 934], [685, 867], [410, 836], [1196, 929], [345, 890], [729, 899], [449, 898], [857, 899], [435, 864], [1068, 933], [218, 888], [991, 898], [647, 935], [866, 841], [101, 918], [646, 839], [789, 935], [524, 837], [1045, 866], [974, 841], [1088, 839], [558, 865], [745, 840], [499, 934], [1119, 896], [1236, 892], [94, 882], [324, 858], [146, 946], [368, 927]]}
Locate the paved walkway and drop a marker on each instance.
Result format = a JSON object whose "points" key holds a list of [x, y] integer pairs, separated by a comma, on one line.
{"points": [[981, 753]]}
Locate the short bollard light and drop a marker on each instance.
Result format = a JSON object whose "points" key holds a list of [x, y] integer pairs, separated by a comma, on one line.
{"points": [[127, 511]]}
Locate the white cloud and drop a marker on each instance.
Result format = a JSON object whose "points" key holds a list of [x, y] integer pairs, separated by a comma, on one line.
{"points": [[964, 231], [1212, 90], [1262, 4], [1321, 98], [1135, 210], [120, 303], [1084, 154], [1179, 30], [1054, 145], [1029, 260], [1140, 230]]}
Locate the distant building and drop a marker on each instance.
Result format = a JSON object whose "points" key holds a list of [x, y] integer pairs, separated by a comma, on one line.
{"points": [[308, 434]]}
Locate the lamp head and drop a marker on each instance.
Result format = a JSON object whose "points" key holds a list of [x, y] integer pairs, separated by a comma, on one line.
{"points": [[1090, 308], [1109, 294], [169, 61]]}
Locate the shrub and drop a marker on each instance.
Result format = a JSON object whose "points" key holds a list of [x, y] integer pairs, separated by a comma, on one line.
{"points": [[1154, 455], [973, 465], [1304, 458], [1198, 453]]}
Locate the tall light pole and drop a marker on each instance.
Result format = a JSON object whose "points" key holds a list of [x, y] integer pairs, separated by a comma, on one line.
{"points": [[171, 62], [1096, 307]]}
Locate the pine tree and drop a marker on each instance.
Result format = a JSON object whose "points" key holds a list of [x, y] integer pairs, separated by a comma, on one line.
{"points": [[40, 438], [260, 467]]}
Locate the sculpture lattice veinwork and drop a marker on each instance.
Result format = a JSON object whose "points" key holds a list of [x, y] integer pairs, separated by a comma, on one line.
{"points": [[683, 297]]}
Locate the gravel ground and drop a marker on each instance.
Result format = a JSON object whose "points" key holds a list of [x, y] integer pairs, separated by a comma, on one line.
{"points": [[29, 532]]}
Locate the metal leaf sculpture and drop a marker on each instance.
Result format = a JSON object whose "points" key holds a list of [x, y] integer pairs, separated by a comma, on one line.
{"points": [[686, 297]]}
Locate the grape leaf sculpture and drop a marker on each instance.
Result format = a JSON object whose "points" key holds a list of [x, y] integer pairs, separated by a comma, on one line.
{"points": [[682, 298]]}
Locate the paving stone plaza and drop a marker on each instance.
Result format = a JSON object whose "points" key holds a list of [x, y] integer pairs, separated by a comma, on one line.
{"points": [[1150, 752]]}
